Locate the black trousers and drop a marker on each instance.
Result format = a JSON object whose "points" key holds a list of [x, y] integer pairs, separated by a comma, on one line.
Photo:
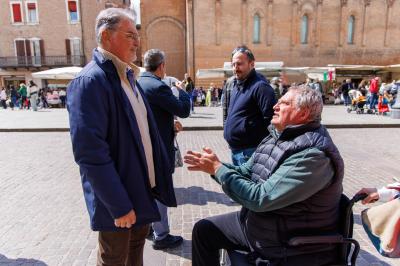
{"points": [[215, 233]]}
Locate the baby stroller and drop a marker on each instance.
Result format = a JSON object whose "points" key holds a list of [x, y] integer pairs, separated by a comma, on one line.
{"points": [[357, 104]]}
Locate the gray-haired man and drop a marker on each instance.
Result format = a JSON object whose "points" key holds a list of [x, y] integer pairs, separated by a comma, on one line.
{"points": [[116, 143], [292, 183], [164, 106]]}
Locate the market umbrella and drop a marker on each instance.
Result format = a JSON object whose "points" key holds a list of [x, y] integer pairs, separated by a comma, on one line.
{"points": [[58, 73]]}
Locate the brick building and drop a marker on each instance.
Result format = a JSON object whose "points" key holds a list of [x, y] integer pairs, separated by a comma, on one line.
{"points": [[42, 34], [200, 34]]}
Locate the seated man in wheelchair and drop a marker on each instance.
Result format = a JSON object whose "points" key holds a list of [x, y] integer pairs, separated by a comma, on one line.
{"points": [[291, 185]]}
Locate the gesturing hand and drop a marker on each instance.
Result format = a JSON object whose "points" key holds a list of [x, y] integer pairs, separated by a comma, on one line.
{"points": [[126, 221], [207, 161], [177, 126], [372, 195]]}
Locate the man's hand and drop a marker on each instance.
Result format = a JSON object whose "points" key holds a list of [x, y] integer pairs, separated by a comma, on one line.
{"points": [[177, 126], [372, 195], [126, 221], [180, 85], [207, 161]]}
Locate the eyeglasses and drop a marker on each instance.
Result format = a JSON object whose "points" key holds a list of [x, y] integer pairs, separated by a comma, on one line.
{"points": [[130, 35], [245, 51]]}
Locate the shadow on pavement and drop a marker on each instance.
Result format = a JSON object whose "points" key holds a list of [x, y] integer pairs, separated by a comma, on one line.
{"points": [[184, 251], [372, 260], [20, 261], [199, 196]]}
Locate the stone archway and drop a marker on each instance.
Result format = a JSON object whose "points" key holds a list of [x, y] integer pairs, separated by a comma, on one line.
{"points": [[168, 35]]}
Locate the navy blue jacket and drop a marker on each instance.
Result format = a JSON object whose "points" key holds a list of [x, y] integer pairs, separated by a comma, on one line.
{"points": [[249, 112], [107, 147], [165, 106]]}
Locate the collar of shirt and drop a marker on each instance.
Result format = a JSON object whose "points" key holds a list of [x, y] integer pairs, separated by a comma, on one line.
{"points": [[120, 65]]}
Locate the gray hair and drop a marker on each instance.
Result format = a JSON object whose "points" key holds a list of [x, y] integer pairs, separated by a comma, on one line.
{"points": [[310, 99], [153, 58], [108, 19]]}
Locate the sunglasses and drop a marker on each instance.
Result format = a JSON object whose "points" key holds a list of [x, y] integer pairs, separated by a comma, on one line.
{"points": [[245, 51]]}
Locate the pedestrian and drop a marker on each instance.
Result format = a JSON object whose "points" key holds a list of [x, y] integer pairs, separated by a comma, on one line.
{"points": [[33, 94], [374, 90], [23, 94], [292, 184], [14, 97], [346, 87], [3, 98], [165, 106], [116, 143], [250, 107], [63, 97]]}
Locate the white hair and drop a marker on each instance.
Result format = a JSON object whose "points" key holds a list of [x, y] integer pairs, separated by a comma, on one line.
{"points": [[108, 19], [309, 99]]}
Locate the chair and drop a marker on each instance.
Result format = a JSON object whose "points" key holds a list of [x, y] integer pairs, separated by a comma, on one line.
{"points": [[347, 246]]}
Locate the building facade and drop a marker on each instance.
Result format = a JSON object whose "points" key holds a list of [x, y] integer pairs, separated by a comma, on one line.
{"points": [[297, 32], [42, 34]]}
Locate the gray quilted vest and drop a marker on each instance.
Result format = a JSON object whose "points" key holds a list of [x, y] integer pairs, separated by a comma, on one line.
{"points": [[268, 232]]}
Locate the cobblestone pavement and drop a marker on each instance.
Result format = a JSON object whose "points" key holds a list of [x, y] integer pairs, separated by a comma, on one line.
{"points": [[44, 220], [210, 117]]}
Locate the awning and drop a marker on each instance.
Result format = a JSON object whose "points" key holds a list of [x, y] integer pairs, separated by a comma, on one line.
{"points": [[58, 73]]}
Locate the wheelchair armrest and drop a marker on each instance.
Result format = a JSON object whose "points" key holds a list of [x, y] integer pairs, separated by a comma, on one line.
{"points": [[326, 239]]}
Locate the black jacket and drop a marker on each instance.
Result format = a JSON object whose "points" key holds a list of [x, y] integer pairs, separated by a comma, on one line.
{"points": [[165, 106]]}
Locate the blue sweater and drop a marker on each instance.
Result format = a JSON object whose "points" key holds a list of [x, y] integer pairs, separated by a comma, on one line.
{"points": [[250, 112]]}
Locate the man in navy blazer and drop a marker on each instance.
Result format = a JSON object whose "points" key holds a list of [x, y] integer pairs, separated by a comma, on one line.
{"points": [[116, 143], [164, 106]]}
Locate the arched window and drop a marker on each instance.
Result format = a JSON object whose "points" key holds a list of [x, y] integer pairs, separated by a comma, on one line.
{"points": [[304, 30], [350, 30], [256, 29]]}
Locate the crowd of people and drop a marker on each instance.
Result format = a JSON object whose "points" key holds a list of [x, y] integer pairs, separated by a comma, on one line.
{"points": [[378, 97], [31, 97]]}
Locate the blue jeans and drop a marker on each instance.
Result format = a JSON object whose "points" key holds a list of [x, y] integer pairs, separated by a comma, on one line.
{"points": [[347, 100], [239, 157], [161, 228], [373, 100]]}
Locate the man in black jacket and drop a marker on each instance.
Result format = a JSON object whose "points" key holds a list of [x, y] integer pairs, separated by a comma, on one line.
{"points": [[250, 107], [164, 106]]}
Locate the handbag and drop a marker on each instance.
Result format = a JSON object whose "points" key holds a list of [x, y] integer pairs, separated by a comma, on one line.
{"points": [[382, 225], [178, 155]]}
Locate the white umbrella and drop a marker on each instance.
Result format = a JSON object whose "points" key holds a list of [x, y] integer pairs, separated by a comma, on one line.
{"points": [[58, 73]]}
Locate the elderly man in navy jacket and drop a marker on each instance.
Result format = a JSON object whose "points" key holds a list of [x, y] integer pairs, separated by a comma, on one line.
{"points": [[116, 143], [164, 106]]}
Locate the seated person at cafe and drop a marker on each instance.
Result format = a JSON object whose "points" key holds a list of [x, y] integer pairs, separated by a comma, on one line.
{"points": [[291, 185]]}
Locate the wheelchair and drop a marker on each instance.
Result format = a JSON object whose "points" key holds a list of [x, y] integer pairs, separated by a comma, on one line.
{"points": [[348, 248]]}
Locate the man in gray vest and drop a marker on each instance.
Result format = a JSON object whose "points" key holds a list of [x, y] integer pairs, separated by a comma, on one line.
{"points": [[291, 184]]}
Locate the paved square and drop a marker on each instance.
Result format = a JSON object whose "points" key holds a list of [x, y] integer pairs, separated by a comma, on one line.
{"points": [[44, 220]]}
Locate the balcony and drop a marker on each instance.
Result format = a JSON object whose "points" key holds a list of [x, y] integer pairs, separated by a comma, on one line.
{"points": [[39, 61]]}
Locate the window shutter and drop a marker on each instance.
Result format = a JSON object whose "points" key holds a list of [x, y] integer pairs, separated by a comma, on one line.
{"points": [[28, 48], [72, 6], [31, 6], [68, 46], [20, 47], [16, 8], [41, 44]]}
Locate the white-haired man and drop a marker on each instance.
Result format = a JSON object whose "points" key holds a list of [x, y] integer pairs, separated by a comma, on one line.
{"points": [[291, 184], [116, 143]]}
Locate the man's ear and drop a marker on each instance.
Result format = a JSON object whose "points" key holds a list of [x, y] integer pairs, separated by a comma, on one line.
{"points": [[105, 36], [305, 115], [252, 63]]}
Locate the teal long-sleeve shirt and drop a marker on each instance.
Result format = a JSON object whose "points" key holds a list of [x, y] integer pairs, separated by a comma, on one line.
{"points": [[296, 179]]}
